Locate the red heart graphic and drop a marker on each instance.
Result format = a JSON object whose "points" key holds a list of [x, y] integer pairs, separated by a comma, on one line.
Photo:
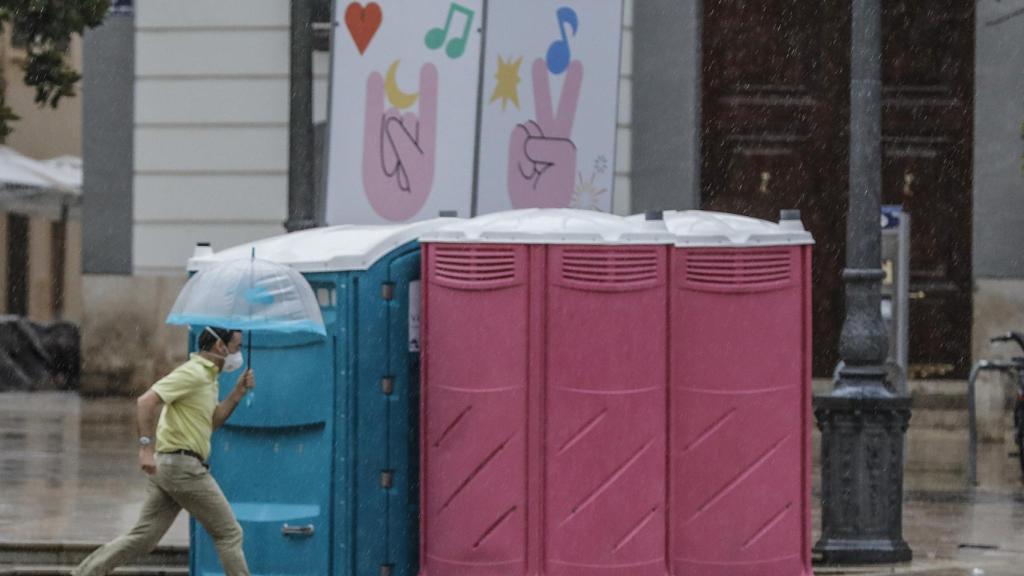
{"points": [[363, 23]]}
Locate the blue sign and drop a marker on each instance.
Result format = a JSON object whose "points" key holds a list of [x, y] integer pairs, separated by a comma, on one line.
{"points": [[122, 7], [891, 215]]}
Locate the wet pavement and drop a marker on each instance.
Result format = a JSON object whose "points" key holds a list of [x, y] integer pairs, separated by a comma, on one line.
{"points": [[68, 469], [959, 534], [68, 474]]}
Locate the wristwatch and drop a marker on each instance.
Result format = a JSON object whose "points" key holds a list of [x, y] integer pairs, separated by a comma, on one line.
{"points": [[145, 440]]}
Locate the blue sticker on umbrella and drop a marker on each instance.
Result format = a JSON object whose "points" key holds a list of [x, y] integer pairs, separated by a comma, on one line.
{"points": [[259, 295]]}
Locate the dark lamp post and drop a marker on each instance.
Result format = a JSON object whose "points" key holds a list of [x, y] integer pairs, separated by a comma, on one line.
{"points": [[301, 191], [863, 421]]}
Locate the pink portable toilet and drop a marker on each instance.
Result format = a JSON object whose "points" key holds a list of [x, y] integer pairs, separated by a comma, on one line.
{"points": [[740, 394], [544, 396]]}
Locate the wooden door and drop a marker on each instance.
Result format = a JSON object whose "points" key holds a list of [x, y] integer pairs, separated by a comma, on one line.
{"points": [[774, 102], [775, 135], [17, 264], [928, 77]]}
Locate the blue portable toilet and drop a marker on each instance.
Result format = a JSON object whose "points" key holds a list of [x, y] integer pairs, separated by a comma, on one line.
{"points": [[320, 462]]}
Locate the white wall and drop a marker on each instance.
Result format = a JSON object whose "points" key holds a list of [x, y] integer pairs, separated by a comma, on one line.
{"points": [[211, 126], [998, 232], [998, 142], [41, 131]]}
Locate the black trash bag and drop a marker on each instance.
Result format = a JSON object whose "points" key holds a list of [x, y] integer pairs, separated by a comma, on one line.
{"points": [[37, 356], [62, 342]]}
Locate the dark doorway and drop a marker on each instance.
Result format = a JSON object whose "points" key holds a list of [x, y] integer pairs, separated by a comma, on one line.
{"points": [[17, 264], [775, 135], [58, 260]]}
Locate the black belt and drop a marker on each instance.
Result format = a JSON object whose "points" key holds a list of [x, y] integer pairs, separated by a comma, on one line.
{"points": [[189, 453]]}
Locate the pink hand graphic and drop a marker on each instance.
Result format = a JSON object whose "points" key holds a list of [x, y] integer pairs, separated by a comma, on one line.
{"points": [[541, 154], [399, 149]]}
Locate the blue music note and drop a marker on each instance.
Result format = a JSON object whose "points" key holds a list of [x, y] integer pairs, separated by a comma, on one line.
{"points": [[559, 54]]}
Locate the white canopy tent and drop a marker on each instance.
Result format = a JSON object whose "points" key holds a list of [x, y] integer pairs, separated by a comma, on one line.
{"points": [[44, 191], [48, 188]]}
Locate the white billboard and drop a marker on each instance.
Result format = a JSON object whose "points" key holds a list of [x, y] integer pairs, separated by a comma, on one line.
{"points": [[551, 85], [403, 104], [405, 91]]}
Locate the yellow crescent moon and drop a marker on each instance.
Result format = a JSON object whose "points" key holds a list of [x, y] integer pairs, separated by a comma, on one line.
{"points": [[398, 98]]}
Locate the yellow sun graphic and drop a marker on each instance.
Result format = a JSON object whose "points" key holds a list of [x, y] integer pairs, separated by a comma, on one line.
{"points": [[507, 88]]}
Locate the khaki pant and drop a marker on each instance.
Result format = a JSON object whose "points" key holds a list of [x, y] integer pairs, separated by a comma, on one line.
{"points": [[180, 482]]}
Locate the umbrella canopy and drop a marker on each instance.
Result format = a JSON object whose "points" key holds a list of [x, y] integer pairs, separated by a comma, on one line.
{"points": [[249, 294]]}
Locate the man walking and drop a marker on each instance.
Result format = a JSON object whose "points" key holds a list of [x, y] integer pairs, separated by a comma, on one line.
{"points": [[183, 412]]}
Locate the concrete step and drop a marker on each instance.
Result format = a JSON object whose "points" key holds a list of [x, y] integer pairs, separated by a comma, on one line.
{"points": [[932, 450], [942, 405], [927, 419], [49, 554], [927, 394]]}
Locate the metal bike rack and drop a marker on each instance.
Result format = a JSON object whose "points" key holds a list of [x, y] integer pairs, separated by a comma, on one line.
{"points": [[972, 416]]}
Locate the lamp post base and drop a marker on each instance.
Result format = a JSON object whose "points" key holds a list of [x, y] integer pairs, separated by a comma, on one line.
{"points": [[862, 479], [852, 552]]}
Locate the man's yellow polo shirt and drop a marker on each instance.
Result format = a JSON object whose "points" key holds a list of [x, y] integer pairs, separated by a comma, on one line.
{"points": [[190, 396]]}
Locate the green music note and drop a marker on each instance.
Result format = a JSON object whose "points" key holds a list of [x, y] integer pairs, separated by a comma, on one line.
{"points": [[456, 46]]}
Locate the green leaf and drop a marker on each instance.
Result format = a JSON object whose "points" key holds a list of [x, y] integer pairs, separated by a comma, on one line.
{"points": [[44, 29]]}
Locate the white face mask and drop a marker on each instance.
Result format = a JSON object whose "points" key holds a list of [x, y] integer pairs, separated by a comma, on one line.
{"points": [[233, 362]]}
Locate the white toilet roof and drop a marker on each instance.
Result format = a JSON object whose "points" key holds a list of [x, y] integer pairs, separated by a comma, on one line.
{"points": [[548, 226], [329, 249], [698, 228], [693, 228]]}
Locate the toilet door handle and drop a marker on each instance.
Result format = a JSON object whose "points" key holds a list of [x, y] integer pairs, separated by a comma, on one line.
{"points": [[305, 531]]}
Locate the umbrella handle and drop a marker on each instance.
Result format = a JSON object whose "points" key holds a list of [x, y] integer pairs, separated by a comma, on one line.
{"points": [[248, 353], [248, 364]]}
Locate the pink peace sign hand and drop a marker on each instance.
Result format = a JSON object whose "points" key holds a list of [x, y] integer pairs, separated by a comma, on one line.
{"points": [[399, 149], [541, 153]]}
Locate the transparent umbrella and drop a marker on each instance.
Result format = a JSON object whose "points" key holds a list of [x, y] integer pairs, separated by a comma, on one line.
{"points": [[249, 295]]}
